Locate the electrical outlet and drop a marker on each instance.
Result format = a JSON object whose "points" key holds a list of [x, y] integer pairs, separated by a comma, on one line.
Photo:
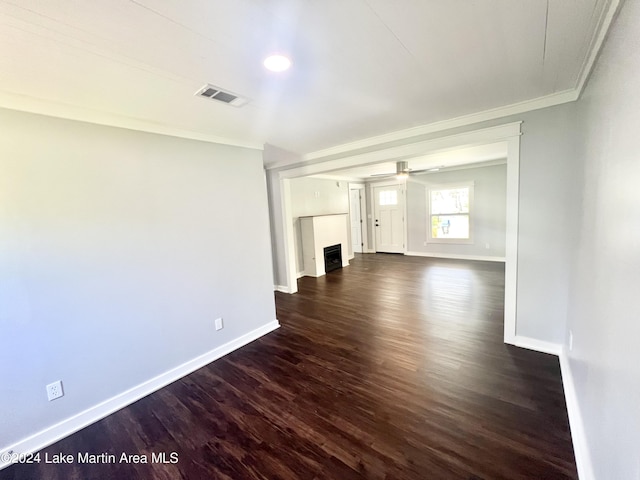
{"points": [[54, 390], [425, 244], [570, 340], [219, 325], [487, 246]]}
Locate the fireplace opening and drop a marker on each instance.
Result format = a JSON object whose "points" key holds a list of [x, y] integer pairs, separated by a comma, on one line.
{"points": [[332, 258]]}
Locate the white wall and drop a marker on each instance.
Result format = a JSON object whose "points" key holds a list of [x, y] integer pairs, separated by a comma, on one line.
{"points": [[118, 249], [488, 215], [316, 196], [604, 307]]}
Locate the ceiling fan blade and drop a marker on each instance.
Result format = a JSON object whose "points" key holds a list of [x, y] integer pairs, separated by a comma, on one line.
{"points": [[382, 175]]}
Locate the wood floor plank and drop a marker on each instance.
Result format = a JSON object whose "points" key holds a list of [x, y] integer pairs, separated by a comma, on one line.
{"points": [[391, 368]]}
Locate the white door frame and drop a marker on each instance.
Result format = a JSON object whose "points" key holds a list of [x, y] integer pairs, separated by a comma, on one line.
{"points": [[384, 183], [363, 212], [508, 133]]}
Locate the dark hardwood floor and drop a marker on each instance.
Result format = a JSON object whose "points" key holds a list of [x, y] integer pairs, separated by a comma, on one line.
{"points": [[391, 368]]}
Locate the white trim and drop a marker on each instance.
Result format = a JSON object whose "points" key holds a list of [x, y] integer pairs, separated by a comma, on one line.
{"points": [[362, 193], [551, 100], [289, 237], [340, 178], [371, 224], [454, 256], [405, 217], [470, 185], [26, 103], [511, 239], [281, 288], [578, 436], [386, 182], [401, 185], [491, 114], [412, 148], [91, 415], [363, 216], [606, 17], [537, 345]]}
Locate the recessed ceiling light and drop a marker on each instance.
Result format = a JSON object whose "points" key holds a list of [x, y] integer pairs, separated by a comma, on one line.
{"points": [[277, 63]]}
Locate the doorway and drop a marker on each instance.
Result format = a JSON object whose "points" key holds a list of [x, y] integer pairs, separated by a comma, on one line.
{"points": [[357, 211], [410, 146], [388, 209]]}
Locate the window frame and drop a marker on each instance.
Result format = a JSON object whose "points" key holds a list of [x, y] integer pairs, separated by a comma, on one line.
{"points": [[471, 214]]}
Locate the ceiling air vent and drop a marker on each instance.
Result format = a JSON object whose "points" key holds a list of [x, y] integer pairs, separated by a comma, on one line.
{"points": [[212, 92]]}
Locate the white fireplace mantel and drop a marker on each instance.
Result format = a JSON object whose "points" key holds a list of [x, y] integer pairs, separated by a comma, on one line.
{"points": [[319, 232]]}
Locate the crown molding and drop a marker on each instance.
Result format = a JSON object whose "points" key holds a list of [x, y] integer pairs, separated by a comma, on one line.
{"points": [[29, 104], [604, 23], [411, 148], [340, 178], [491, 114]]}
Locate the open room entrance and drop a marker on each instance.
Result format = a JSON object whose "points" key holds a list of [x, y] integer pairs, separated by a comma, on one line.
{"points": [[506, 137]]}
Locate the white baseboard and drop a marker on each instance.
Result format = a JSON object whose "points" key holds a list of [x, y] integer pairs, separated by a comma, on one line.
{"points": [[580, 447], [578, 437], [484, 258], [537, 345], [83, 419], [300, 274], [281, 288]]}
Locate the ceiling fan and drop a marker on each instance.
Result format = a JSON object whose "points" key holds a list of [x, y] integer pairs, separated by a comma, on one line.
{"points": [[402, 171]]}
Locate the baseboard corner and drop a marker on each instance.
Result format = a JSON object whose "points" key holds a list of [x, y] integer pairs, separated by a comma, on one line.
{"points": [[537, 345], [578, 436]]}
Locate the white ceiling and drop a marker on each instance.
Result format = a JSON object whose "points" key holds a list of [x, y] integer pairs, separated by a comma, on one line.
{"points": [[361, 68]]}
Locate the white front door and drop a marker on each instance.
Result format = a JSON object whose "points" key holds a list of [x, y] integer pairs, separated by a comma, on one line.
{"points": [[389, 218], [356, 220]]}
